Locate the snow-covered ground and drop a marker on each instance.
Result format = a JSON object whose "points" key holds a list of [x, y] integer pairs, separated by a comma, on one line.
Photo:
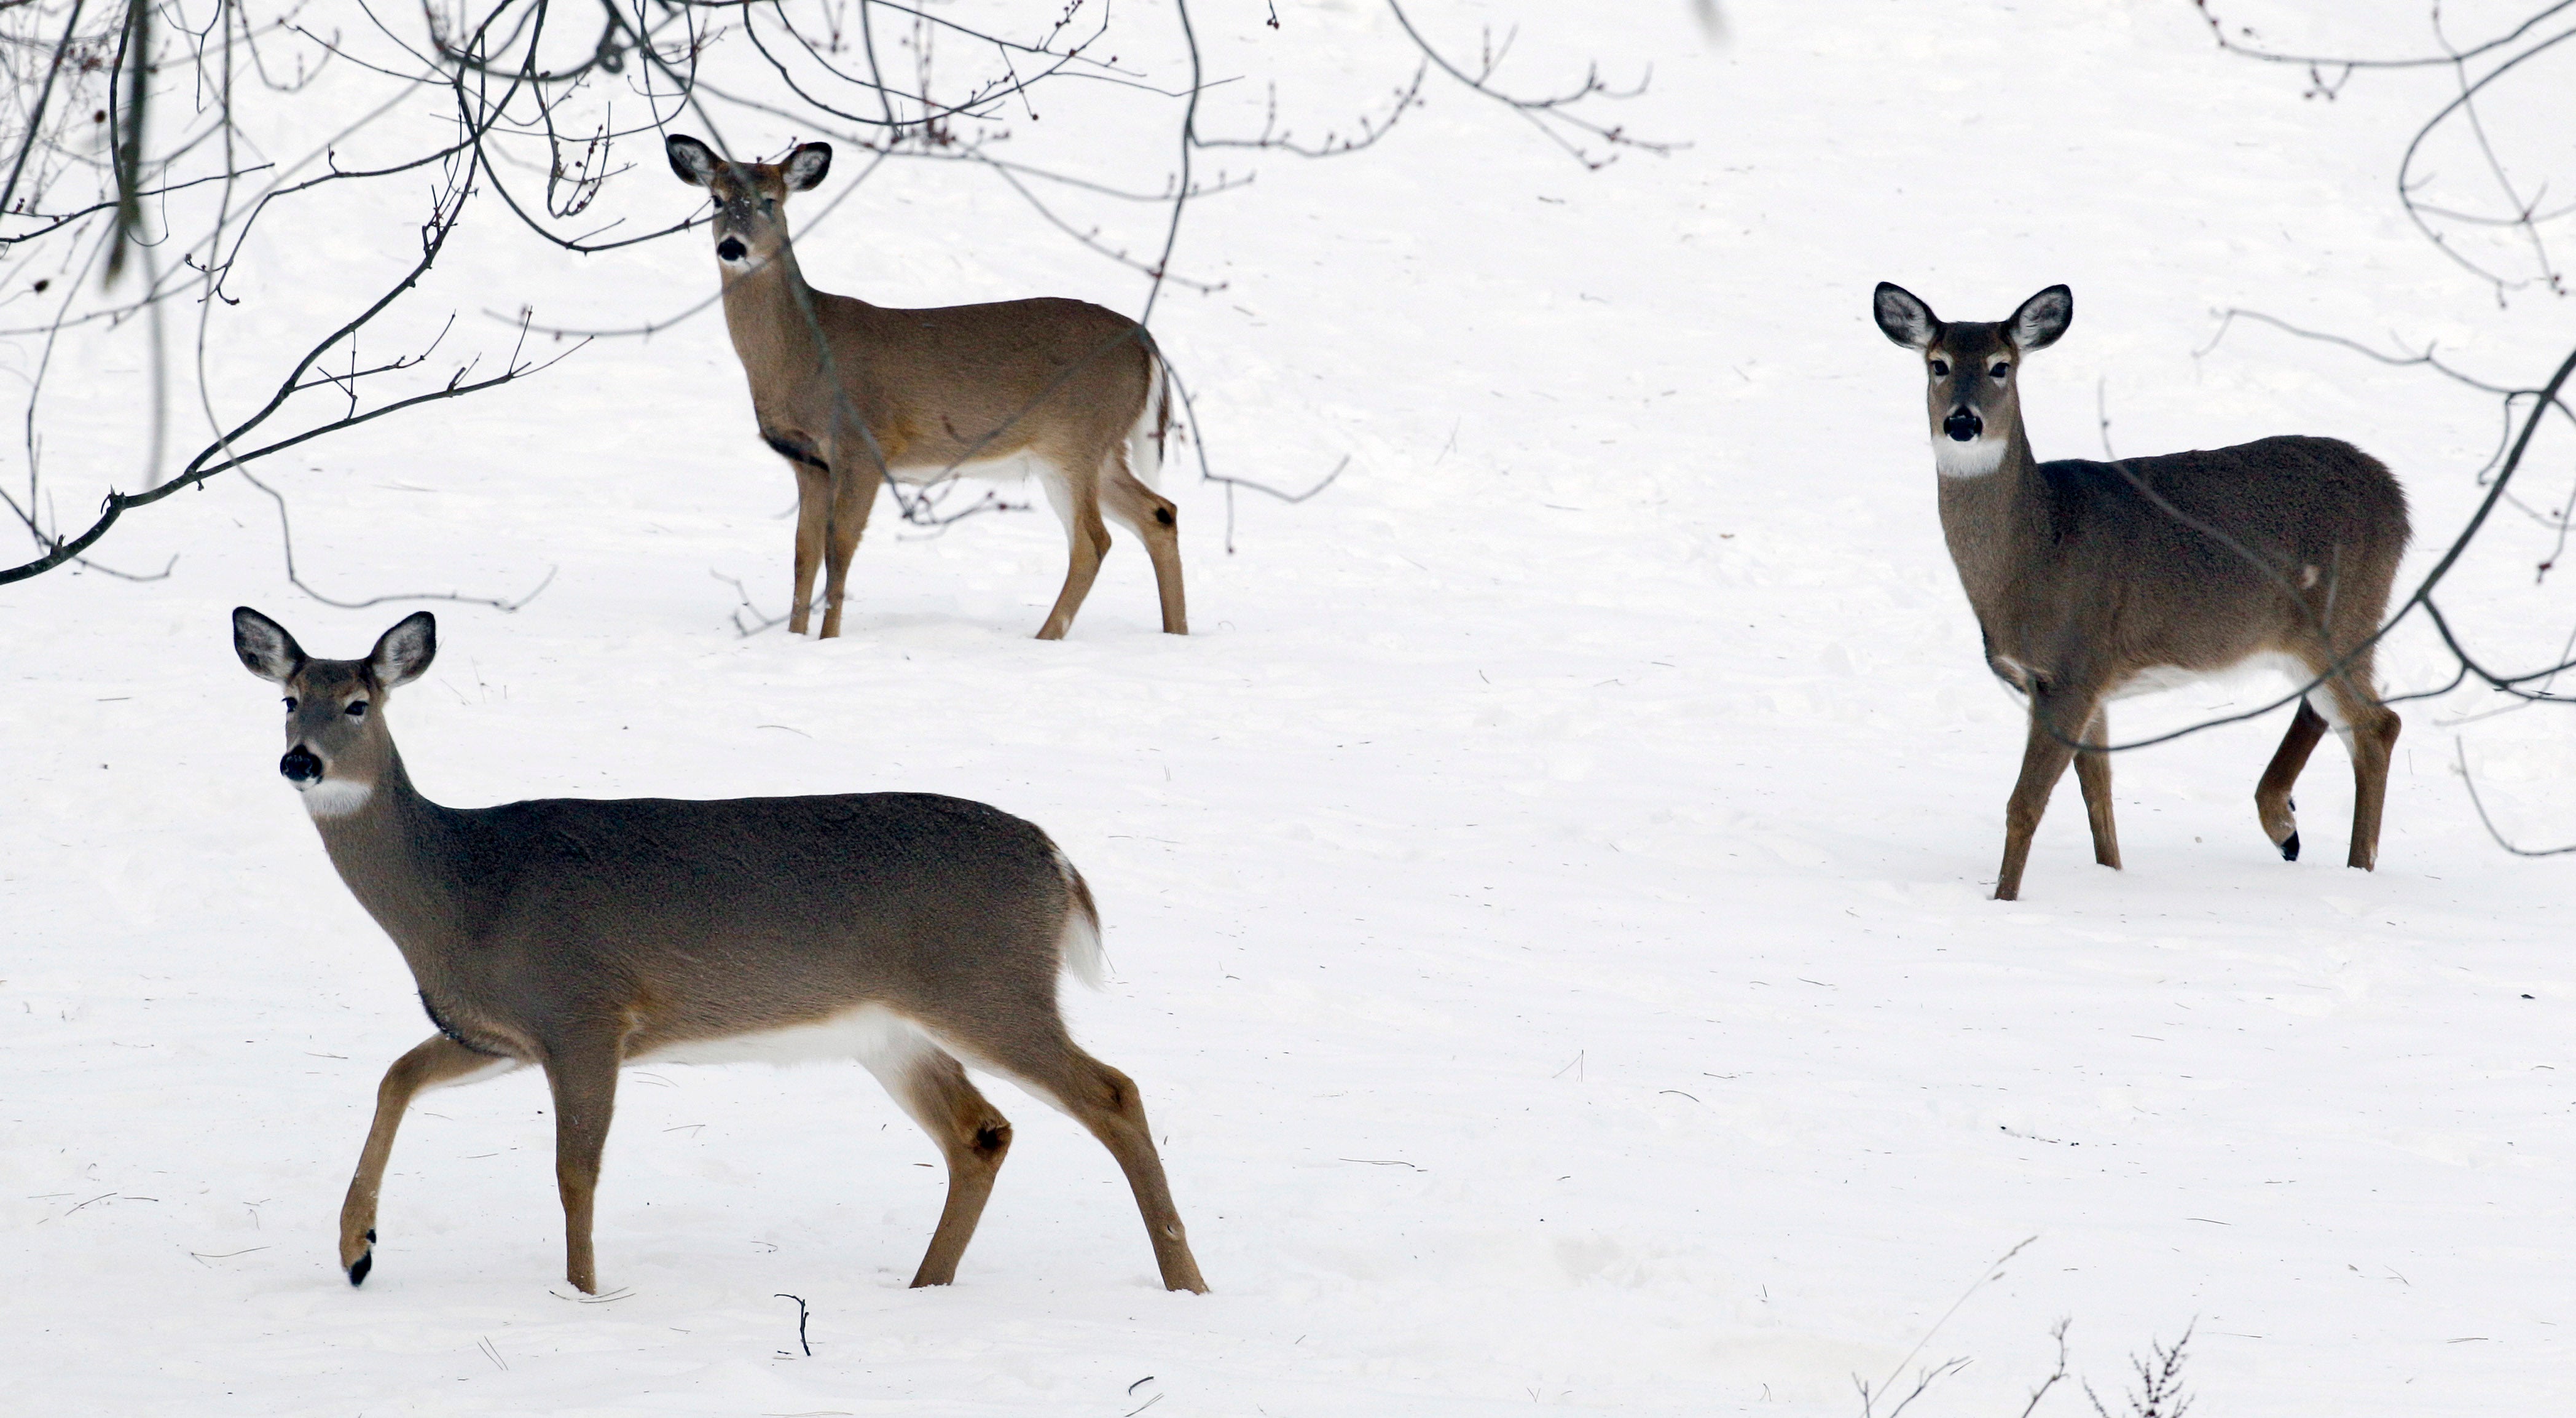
{"points": [[1546, 894]]}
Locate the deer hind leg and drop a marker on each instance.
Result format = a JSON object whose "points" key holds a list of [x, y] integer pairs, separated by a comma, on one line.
{"points": [[2369, 730], [813, 517], [1077, 504], [2093, 775], [854, 495], [583, 1077], [1156, 523], [434, 1061], [2272, 801], [1106, 1102], [2043, 761], [1041, 1059], [972, 1135]]}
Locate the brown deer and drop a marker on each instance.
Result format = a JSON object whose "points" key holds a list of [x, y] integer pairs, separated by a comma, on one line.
{"points": [[908, 931], [851, 394], [2092, 581]]}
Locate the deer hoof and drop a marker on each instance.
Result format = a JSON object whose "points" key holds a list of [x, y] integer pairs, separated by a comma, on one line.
{"points": [[365, 1262], [2290, 848]]}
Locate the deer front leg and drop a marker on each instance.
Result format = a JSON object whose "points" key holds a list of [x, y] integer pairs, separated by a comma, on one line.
{"points": [[2043, 761], [435, 1060], [813, 518], [854, 495], [583, 1078], [2093, 775]]}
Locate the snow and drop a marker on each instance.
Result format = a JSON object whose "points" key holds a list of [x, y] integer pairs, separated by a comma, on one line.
{"points": [[1545, 896]]}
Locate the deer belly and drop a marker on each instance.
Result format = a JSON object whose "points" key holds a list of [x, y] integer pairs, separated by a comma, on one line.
{"points": [[871, 1033], [1003, 469], [2160, 677]]}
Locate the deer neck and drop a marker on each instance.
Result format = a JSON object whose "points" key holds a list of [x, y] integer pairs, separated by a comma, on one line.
{"points": [[770, 313], [1988, 518], [401, 856]]}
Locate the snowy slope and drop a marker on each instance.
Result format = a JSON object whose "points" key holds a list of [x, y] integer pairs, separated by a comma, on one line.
{"points": [[1546, 895]]}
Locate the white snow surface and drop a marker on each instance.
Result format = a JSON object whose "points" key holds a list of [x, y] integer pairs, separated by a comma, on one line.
{"points": [[1546, 894]]}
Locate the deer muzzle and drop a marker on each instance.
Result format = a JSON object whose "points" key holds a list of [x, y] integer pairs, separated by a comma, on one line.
{"points": [[300, 765], [1963, 425], [730, 249]]}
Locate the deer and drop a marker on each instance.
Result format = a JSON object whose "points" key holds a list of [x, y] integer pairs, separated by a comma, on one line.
{"points": [[851, 394], [912, 932], [2095, 581]]}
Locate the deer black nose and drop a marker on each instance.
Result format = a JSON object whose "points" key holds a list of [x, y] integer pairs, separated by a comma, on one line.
{"points": [[1963, 425], [300, 766], [729, 249]]}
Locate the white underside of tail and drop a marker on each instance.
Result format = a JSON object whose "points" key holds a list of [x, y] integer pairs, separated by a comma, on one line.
{"points": [[1083, 957], [1080, 949], [1144, 450]]}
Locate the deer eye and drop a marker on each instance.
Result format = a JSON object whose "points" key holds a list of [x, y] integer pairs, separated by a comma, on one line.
{"points": [[290, 704], [2000, 370], [1940, 367], [357, 709]]}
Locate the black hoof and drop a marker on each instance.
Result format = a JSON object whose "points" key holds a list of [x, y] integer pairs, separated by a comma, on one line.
{"points": [[2290, 848], [366, 1262]]}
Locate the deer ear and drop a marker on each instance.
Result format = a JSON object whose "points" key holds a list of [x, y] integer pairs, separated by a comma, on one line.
{"points": [[1903, 317], [265, 648], [690, 158], [2042, 318], [807, 166], [402, 653]]}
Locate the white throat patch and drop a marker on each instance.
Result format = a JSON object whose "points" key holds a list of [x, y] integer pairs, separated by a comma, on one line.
{"points": [[336, 797], [1973, 459]]}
